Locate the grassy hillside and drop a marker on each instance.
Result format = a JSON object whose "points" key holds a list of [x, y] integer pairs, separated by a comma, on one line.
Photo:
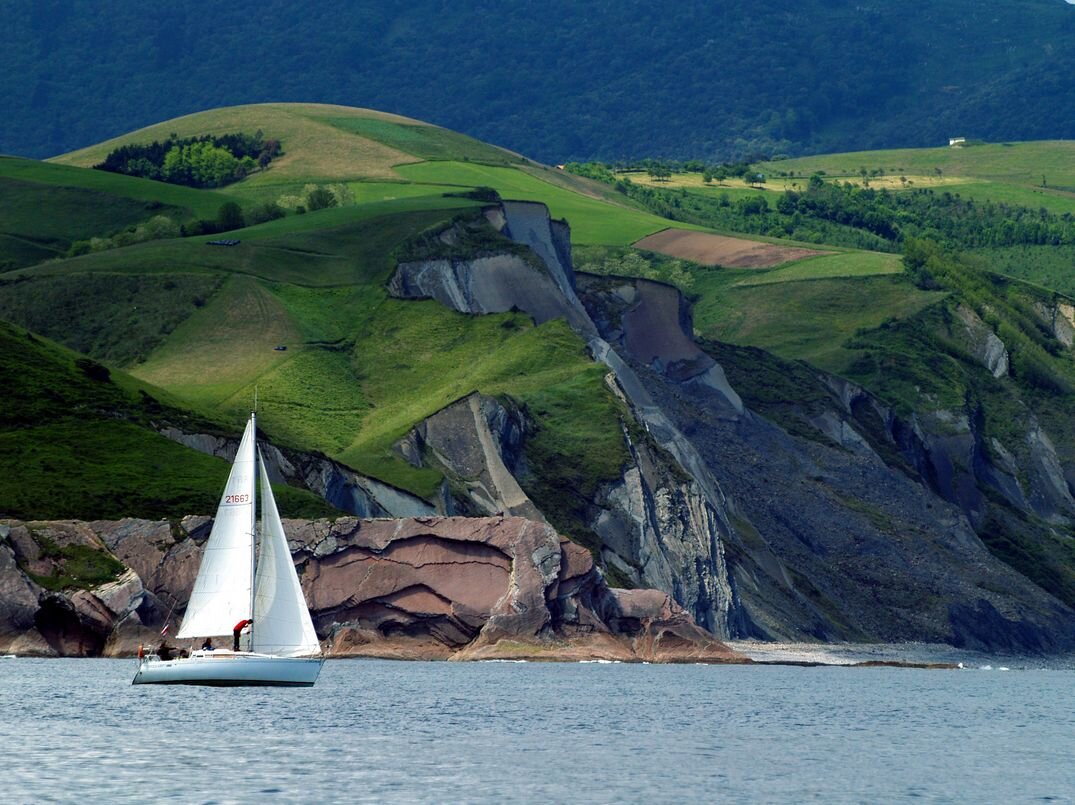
{"points": [[593, 220], [76, 440], [202, 203], [1021, 163], [316, 144], [1029, 174], [359, 370], [45, 208]]}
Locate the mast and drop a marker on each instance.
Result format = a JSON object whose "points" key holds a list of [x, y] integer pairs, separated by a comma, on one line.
{"points": [[253, 516]]}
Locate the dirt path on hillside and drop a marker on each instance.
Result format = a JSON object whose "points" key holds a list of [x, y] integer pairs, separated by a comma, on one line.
{"points": [[720, 250]]}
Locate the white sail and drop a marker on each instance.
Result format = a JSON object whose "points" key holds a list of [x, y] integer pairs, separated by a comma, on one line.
{"points": [[222, 591], [282, 624]]}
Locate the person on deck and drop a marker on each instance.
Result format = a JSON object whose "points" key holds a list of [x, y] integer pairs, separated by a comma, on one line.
{"points": [[236, 630], [208, 644], [166, 652]]}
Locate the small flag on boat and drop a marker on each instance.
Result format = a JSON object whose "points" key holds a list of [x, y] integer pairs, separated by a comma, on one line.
{"points": [[164, 631]]}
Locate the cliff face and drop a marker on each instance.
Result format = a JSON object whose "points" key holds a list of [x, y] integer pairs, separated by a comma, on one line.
{"points": [[661, 524], [849, 523], [421, 588], [839, 521]]}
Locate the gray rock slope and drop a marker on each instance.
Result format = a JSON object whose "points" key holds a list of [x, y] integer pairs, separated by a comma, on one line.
{"points": [[861, 530]]}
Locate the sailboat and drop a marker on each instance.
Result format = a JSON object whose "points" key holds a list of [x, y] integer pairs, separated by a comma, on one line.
{"points": [[233, 592]]}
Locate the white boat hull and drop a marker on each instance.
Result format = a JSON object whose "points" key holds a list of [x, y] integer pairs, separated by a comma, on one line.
{"points": [[229, 669]]}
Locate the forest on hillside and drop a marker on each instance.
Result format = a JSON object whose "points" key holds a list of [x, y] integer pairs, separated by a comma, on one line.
{"points": [[557, 80]]}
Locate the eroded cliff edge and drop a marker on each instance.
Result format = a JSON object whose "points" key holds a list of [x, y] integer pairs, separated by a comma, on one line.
{"points": [[416, 588], [833, 519]]}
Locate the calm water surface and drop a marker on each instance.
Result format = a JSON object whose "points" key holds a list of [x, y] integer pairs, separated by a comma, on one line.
{"points": [[373, 731]]}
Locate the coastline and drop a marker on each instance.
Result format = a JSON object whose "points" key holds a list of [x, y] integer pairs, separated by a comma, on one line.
{"points": [[900, 655]]}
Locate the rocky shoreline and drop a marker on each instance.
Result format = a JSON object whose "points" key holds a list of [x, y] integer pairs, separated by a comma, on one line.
{"points": [[429, 588]]}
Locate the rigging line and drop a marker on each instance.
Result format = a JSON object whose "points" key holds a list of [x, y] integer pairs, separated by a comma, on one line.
{"points": [[168, 617]]}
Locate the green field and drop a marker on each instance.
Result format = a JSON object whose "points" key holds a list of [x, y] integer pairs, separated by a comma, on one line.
{"points": [[592, 220], [1038, 175], [803, 310], [1055, 201], [329, 247], [45, 208], [424, 141], [811, 321], [844, 264], [1009, 163], [200, 203], [1051, 267]]}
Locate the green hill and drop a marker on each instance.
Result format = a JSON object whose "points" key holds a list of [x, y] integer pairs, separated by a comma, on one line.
{"points": [[360, 368]]}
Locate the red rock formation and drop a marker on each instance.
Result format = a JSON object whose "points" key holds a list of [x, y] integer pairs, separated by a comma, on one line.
{"points": [[418, 588]]}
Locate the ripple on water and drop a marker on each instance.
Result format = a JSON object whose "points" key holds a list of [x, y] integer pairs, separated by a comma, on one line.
{"points": [[428, 732]]}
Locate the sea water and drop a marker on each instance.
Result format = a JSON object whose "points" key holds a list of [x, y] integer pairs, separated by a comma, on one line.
{"points": [[377, 731]]}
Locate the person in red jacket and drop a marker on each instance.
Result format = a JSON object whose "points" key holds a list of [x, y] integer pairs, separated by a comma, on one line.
{"points": [[235, 632]]}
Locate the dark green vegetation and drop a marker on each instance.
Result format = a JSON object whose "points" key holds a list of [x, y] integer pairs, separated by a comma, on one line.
{"points": [[205, 161], [1048, 266], [120, 318], [685, 79]]}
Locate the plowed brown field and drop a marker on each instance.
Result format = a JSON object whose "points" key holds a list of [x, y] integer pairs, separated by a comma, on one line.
{"points": [[719, 250]]}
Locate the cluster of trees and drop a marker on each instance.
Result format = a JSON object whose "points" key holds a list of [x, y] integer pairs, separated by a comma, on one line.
{"points": [[662, 169], [229, 216], [156, 228], [944, 217], [160, 227], [315, 197], [846, 215], [750, 215], [208, 161]]}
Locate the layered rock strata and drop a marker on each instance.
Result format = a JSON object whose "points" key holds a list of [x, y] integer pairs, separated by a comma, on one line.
{"points": [[663, 523], [418, 588]]}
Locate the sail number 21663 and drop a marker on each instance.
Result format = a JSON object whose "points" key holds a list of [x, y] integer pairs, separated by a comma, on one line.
{"points": [[236, 499]]}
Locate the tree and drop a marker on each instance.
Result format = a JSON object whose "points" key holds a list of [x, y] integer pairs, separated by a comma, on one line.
{"points": [[320, 198], [659, 173], [230, 216]]}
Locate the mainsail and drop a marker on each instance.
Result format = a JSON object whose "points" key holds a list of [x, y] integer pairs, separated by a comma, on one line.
{"points": [[282, 624], [222, 591]]}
